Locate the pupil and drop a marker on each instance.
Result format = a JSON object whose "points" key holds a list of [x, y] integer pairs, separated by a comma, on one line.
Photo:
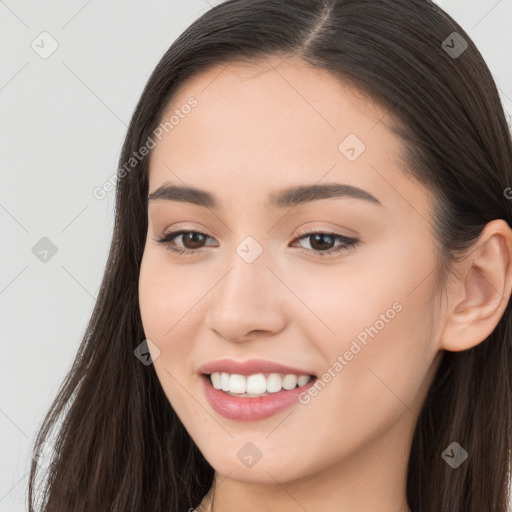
{"points": [[316, 238]]}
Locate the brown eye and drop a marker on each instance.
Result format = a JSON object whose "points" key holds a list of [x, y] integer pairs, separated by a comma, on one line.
{"points": [[321, 241], [324, 244], [192, 239]]}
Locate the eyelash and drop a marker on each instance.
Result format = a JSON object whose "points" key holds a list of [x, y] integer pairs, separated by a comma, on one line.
{"points": [[348, 243]]}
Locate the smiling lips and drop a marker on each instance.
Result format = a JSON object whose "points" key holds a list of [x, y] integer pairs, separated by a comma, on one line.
{"points": [[254, 389]]}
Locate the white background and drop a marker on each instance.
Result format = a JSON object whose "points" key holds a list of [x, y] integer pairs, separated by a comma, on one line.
{"points": [[64, 119]]}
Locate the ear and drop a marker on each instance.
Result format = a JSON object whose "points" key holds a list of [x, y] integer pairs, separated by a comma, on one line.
{"points": [[477, 300]]}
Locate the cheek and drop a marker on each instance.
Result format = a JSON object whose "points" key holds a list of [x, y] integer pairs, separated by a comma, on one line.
{"points": [[351, 292], [166, 293], [386, 380], [152, 298], [164, 300], [375, 372], [173, 301]]}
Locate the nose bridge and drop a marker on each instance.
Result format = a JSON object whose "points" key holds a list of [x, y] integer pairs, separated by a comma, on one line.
{"points": [[246, 299], [248, 277]]}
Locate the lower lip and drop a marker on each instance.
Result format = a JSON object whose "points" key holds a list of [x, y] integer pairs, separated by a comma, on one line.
{"points": [[240, 408]]}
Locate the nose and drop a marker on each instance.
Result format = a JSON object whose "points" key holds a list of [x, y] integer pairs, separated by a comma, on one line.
{"points": [[248, 302]]}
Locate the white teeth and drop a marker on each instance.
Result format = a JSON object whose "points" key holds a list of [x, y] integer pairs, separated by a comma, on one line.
{"points": [[290, 381], [224, 381], [303, 379], [257, 384], [216, 380], [274, 382], [237, 383]]}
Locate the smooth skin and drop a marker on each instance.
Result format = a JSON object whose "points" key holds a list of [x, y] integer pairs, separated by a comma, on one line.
{"points": [[256, 130]]}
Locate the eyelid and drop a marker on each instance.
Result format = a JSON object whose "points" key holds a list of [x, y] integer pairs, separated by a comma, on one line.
{"points": [[185, 227]]}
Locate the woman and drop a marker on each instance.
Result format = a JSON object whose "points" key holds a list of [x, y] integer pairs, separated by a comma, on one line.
{"points": [[306, 301]]}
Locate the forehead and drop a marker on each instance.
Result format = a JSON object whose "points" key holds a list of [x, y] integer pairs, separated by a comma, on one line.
{"points": [[261, 127]]}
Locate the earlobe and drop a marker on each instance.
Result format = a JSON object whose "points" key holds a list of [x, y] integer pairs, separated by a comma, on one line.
{"points": [[477, 301]]}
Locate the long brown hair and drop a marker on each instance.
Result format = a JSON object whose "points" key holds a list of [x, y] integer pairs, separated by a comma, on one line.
{"points": [[118, 444]]}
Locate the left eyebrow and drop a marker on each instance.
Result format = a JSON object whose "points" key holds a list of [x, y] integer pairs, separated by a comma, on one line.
{"points": [[282, 199]]}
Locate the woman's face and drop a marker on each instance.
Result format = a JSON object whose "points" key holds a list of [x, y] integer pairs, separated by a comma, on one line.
{"points": [[275, 279]]}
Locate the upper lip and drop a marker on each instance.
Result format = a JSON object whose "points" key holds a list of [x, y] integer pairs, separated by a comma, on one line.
{"points": [[249, 367]]}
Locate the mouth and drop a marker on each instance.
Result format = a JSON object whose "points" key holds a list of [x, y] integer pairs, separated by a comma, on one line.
{"points": [[253, 397]]}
